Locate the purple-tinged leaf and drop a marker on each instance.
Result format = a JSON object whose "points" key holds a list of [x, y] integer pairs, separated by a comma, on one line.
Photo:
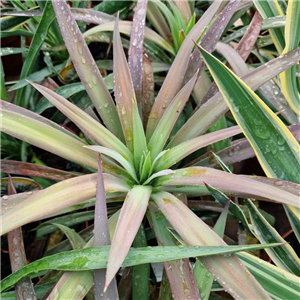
{"points": [[123, 88], [210, 111], [235, 61], [101, 237], [179, 272], [125, 27], [126, 102], [131, 216], [228, 271], [147, 88], [91, 16], [66, 193], [169, 118], [135, 57], [248, 41], [17, 255], [85, 122], [275, 98], [184, 9], [192, 181], [184, 149], [211, 37], [43, 133], [80, 14], [86, 67], [30, 169], [175, 75], [125, 284]]}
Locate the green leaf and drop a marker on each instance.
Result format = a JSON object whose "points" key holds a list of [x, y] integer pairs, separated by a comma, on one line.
{"points": [[40, 291], [274, 145], [277, 282], [36, 43], [174, 26], [157, 20], [284, 257], [292, 38], [10, 23], [4, 95], [74, 238], [293, 214], [68, 220], [118, 157], [203, 277], [96, 258], [140, 273], [269, 9], [12, 50], [36, 76], [233, 208]]}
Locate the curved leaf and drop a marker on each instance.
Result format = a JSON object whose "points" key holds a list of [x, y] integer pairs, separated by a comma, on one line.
{"points": [[96, 258], [210, 111], [292, 38], [86, 67], [85, 122], [129, 221], [192, 181], [228, 271], [65, 193], [274, 145]]}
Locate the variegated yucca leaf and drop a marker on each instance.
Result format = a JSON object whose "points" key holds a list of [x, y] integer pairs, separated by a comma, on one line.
{"points": [[274, 145]]}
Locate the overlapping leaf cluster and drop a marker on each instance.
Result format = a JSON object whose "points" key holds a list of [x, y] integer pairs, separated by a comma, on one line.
{"points": [[150, 161]]}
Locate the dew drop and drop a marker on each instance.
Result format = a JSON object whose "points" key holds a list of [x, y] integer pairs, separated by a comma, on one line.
{"points": [[94, 79], [262, 133], [83, 60]]}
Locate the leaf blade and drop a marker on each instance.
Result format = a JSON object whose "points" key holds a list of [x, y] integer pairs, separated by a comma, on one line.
{"points": [[275, 147]]}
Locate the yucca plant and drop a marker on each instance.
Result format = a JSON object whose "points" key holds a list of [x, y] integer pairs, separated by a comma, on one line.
{"points": [[146, 164]]}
